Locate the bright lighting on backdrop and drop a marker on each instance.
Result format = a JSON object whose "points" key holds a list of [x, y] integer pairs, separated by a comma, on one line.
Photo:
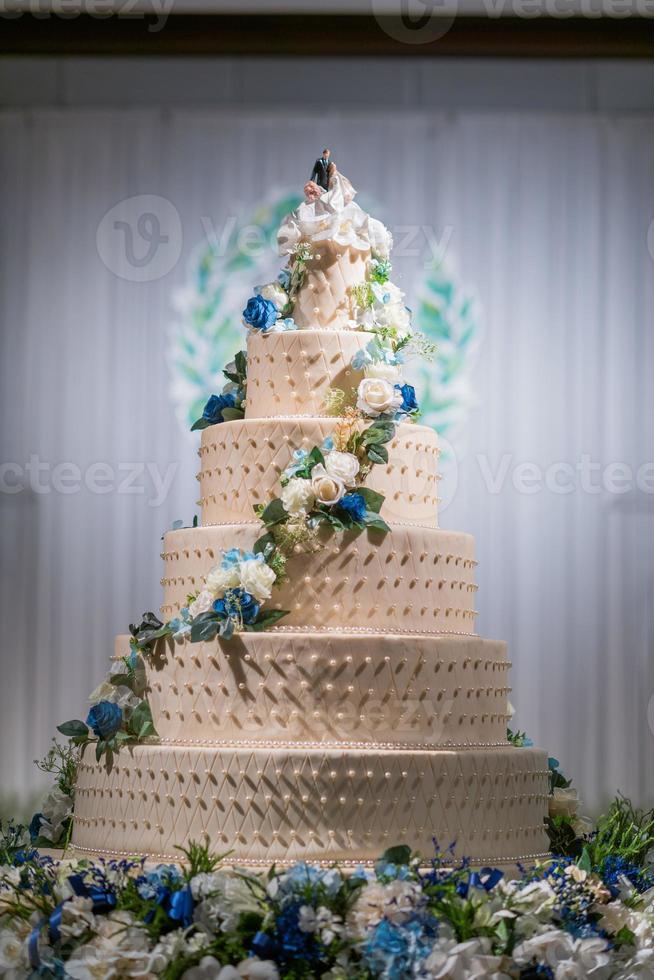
{"points": [[526, 248]]}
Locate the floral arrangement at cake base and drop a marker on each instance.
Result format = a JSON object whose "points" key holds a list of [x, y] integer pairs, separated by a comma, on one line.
{"points": [[412, 916]]}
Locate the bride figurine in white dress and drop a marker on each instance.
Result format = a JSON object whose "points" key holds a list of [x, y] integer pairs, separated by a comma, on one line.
{"points": [[339, 194], [332, 215]]}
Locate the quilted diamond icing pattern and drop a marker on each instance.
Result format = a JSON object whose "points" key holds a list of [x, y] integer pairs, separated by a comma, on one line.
{"points": [[276, 689], [290, 373], [241, 463], [410, 580], [323, 299], [283, 805]]}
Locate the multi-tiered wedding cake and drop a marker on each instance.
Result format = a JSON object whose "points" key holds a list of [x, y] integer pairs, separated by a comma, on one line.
{"points": [[319, 690]]}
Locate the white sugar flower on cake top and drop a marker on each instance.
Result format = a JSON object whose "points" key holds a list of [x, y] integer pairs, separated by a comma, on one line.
{"points": [[333, 216]]}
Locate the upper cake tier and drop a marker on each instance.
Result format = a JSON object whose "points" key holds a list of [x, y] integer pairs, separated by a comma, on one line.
{"points": [[296, 372], [242, 461]]}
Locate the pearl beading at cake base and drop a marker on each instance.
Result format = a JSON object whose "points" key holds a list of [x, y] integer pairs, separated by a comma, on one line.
{"points": [[316, 862]]}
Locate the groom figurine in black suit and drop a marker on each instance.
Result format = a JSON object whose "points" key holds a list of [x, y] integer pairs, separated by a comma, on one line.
{"points": [[320, 172]]}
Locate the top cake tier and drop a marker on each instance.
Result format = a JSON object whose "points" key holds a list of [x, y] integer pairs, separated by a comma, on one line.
{"points": [[329, 242]]}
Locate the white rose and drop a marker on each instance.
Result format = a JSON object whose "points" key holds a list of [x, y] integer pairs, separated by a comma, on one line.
{"points": [[202, 604], [257, 578], [328, 489], [256, 969], [389, 372], [376, 396], [381, 240], [288, 235], [563, 802], [220, 579], [274, 292], [344, 466], [297, 497], [11, 951], [393, 315]]}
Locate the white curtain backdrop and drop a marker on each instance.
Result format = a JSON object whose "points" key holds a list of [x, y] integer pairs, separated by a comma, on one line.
{"points": [[549, 218]]}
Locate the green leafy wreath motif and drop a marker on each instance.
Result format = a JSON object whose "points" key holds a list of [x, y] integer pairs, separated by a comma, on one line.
{"points": [[449, 313], [219, 282]]}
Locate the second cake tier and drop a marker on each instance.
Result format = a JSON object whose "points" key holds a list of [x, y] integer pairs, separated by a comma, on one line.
{"points": [[410, 580], [241, 463]]}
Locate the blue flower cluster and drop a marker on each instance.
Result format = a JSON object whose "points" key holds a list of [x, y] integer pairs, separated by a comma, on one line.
{"points": [[354, 506], [260, 313], [104, 719], [409, 400], [239, 605], [213, 410]]}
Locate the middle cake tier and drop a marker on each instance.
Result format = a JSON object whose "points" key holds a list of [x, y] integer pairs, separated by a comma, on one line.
{"points": [[410, 580], [328, 689], [241, 463]]}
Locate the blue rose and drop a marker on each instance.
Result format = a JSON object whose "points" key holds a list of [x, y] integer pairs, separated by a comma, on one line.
{"points": [[35, 826], [104, 719], [213, 410], [409, 401], [260, 313], [231, 558], [354, 506], [238, 604]]}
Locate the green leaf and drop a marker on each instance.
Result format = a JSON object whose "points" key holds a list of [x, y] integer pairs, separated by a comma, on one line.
{"points": [[378, 454], [264, 545], [141, 715], [232, 414], [502, 932], [378, 524], [200, 424], [373, 499], [100, 749], [266, 620], [378, 432], [315, 457], [241, 363], [274, 513], [584, 861], [205, 627], [74, 729], [147, 729], [400, 854], [123, 680]]}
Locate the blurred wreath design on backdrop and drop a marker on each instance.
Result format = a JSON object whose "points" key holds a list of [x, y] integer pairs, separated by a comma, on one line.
{"points": [[208, 324]]}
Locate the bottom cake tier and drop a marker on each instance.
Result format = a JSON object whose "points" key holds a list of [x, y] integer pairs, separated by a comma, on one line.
{"points": [[280, 805]]}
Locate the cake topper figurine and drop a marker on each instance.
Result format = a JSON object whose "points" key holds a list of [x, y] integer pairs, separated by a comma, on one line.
{"points": [[320, 172], [331, 187]]}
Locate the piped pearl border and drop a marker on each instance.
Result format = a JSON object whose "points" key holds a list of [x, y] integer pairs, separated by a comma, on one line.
{"points": [[368, 631], [270, 743], [345, 863]]}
